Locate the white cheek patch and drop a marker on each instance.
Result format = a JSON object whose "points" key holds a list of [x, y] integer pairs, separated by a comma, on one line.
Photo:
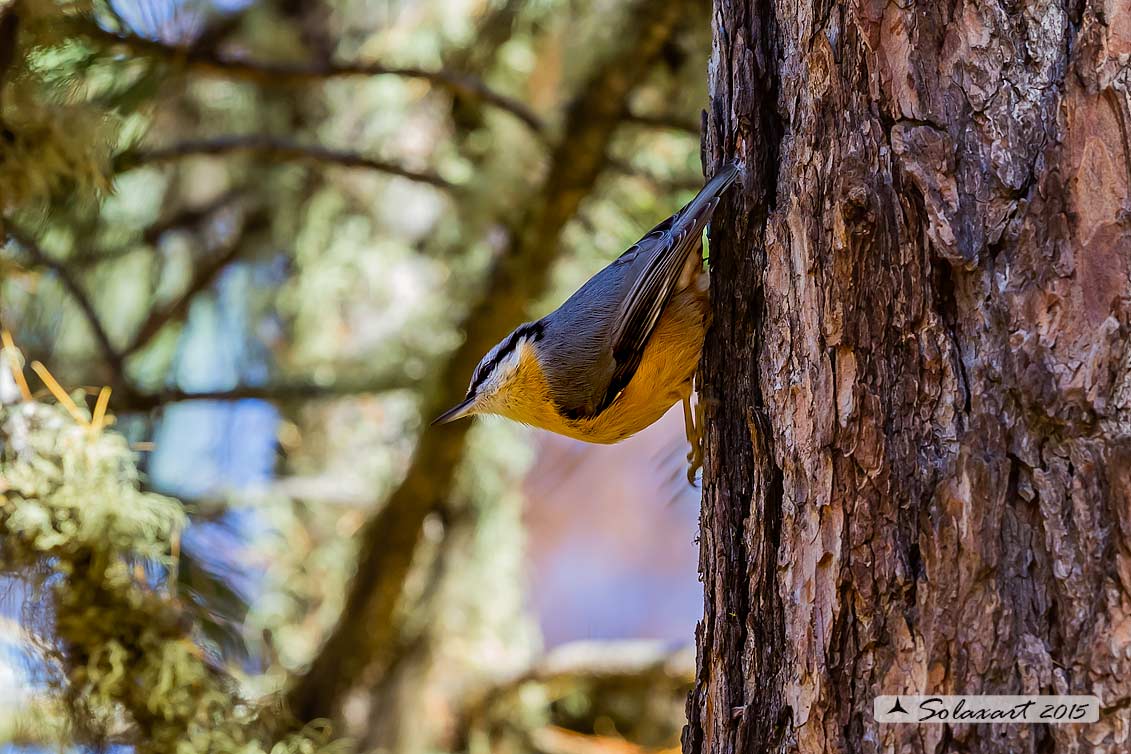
{"points": [[497, 392], [504, 370]]}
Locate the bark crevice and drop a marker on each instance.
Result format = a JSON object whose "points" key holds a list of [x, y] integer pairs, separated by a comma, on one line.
{"points": [[918, 376]]}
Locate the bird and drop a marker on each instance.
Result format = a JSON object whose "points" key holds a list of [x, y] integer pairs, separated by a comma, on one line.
{"points": [[619, 352]]}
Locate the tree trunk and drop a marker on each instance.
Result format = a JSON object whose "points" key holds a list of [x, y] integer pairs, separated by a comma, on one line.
{"points": [[918, 382]]}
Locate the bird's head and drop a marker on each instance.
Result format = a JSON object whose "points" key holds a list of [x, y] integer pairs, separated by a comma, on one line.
{"points": [[504, 379]]}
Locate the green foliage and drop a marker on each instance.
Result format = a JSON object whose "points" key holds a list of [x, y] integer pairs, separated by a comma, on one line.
{"points": [[47, 149], [72, 512], [50, 142], [70, 490]]}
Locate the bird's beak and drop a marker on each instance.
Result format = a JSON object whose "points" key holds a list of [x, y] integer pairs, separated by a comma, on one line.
{"points": [[459, 411]]}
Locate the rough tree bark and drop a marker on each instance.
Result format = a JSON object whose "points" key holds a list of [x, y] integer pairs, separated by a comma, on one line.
{"points": [[918, 384]]}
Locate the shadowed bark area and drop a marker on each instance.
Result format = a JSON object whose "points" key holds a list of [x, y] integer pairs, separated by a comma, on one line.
{"points": [[364, 637], [918, 383]]}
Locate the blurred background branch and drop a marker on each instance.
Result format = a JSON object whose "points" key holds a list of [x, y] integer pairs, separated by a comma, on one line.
{"points": [[202, 277], [275, 393], [110, 353], [641, 680], [364, 634], [674, 122], [206, 60], [271, 148]]}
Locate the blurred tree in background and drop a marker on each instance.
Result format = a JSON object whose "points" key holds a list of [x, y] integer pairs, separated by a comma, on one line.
{"points": [[289, 229]]}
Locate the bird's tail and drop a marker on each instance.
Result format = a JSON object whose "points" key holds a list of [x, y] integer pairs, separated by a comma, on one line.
{"points": [[699, 209]]}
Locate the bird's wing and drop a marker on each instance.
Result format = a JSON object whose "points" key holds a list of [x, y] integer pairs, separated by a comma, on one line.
{"points": [[662, 260], [658, 263]]}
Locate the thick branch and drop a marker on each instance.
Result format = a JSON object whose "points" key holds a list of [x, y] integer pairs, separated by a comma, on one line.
{"points": [[273, 148], [365, 634], [208, 61]]}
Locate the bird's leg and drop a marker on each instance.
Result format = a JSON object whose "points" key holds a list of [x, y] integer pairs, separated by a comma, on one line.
{"points": [[688, 422], [693, 425]]}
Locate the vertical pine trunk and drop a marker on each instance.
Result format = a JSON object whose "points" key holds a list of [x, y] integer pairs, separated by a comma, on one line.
{"points": [[918, 383]]}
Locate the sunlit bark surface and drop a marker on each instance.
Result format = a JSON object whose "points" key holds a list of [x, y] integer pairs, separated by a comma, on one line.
{"points": [[918, 385]]}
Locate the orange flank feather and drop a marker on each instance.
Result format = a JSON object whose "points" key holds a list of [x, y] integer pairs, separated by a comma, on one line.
{"points": [[666, 369]]}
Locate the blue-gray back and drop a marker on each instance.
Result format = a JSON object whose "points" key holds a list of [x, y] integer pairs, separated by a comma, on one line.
{"points": [[593, 342]]}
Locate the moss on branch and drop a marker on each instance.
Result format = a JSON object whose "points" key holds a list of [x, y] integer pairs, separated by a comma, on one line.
{"points": [[102, 554]]}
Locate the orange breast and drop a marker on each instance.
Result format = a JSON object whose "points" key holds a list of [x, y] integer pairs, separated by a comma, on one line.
{"points": [[663, 377]]}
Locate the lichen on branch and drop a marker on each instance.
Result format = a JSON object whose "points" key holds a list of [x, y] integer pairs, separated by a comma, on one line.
{"points": [[126, 663]]}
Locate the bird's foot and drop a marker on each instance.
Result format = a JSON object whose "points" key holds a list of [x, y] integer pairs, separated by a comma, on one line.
{"points": [[693, 425]]}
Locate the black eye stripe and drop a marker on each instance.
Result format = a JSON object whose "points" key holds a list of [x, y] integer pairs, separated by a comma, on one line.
{"points": [[532, 332]]}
